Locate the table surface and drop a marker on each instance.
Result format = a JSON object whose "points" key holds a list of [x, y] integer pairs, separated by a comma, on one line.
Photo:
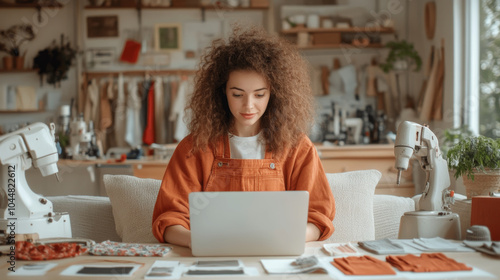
{"points": [[184, 256]]}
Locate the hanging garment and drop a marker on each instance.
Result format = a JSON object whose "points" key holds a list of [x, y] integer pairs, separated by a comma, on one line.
{"points": [[148, 136], [174, 85], [159, 111], [106, 116], [133, 129], [91, 102], [143, 93], [120, 114], [167, 103], [181, 130]]}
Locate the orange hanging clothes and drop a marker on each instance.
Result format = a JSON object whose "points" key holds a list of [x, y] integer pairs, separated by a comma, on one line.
{"points": [[364, 265], [433, 262], [213, 169], [148, 136]]}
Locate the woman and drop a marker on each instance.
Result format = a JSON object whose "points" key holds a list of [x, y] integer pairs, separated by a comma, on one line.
{"points": [[250, 111]]}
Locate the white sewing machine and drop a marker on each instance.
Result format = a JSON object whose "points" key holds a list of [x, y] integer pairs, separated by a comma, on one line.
{"points": [[432, 219], [23, 212], [79, 139]]}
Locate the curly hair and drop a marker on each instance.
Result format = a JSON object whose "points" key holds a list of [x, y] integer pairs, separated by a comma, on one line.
{"points": [[290, 111]]}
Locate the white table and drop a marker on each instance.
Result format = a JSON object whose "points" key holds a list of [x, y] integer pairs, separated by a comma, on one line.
{"points": [[478, 260]]}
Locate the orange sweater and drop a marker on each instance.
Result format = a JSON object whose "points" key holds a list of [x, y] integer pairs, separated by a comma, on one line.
{"points": [[186, 172]]}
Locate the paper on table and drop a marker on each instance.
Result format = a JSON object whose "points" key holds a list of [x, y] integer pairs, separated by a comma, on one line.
{"points": [[217, 268], [165, 270], [286, 266], [341, 249], [113, 269], [412, 247], [33, 269]]}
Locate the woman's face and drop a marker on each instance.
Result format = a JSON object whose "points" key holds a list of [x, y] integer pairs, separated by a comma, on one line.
{"points": [[247, 94]]}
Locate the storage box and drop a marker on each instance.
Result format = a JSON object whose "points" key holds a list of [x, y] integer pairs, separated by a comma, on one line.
{"points": [[259, 3], [186, 3], [485, 211], [326, 38]]}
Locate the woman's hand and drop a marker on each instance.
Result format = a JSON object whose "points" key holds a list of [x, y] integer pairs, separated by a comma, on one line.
{"points": [[312, 233], [178, 235]]}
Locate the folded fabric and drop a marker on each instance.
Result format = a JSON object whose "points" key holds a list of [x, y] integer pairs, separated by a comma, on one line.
{"points": [[28, 251], [426, 263], [109, 248], [364, 265]]}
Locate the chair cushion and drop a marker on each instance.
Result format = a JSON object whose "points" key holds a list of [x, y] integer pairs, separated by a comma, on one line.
{"points": [[387, 212], [90, 216], [132, 200], [353, 192]]}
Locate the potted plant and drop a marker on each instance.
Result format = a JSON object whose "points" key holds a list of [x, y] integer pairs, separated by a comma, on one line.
{"points": [[55, 61], [11, 41], [477, 160], [401, 55]]}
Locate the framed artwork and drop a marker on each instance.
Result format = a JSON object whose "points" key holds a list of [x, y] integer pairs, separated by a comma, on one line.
{"points": [[168, 37], [102, 26]]}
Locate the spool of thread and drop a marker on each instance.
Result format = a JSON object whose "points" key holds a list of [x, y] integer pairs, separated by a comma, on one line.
{"points": [[478, 233], [65, 110]]}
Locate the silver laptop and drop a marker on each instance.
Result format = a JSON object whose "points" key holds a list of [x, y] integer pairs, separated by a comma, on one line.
{"points": [[248, 223]]}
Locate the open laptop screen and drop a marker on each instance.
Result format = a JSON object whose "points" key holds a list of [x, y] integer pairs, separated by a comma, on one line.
{"points": [[248, 223]]}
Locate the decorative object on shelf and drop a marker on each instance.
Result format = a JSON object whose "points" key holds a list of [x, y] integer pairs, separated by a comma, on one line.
{"points": [[168, 37], [102, 26], [259, 3], [98, 58], [401, 55], [130, 52], [55, 62], [11, 41], [477, 160]]}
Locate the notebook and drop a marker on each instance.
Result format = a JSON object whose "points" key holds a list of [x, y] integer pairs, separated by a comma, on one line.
{"points": [[248, 223]]}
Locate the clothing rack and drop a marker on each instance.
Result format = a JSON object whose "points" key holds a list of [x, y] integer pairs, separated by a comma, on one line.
{"points": [[180, 72], [87, 76]]}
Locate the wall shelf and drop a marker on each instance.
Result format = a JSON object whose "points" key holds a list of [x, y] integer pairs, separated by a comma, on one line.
{"points": [[29, 5], [13, 71], [333, 38], [21, 111], [341, 46], [296, 30], [176, 7]]}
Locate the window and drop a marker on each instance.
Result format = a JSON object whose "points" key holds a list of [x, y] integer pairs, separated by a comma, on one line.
{"points": [[489, 68]]}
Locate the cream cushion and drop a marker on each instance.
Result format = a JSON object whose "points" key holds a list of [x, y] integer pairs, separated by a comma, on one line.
{"points": [[387, 212], [353, 192], [132, 201], [82, 209]]}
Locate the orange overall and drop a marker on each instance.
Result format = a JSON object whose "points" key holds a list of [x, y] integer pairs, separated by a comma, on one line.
{"points": [[213, 170]]}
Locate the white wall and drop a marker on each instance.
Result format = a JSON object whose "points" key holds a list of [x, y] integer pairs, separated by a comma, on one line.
{"points": [[448, 16], [64, 21], [54, 23]]}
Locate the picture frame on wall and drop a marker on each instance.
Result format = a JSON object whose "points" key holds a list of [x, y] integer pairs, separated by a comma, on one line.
{"points": [[168, 37], [102, 26]]}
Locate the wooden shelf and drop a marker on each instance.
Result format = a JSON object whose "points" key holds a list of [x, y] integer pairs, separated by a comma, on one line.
{"points": [[340, 30], [177, 7], [21, 111], [28, 70], [29, 6], [341, 46]]}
